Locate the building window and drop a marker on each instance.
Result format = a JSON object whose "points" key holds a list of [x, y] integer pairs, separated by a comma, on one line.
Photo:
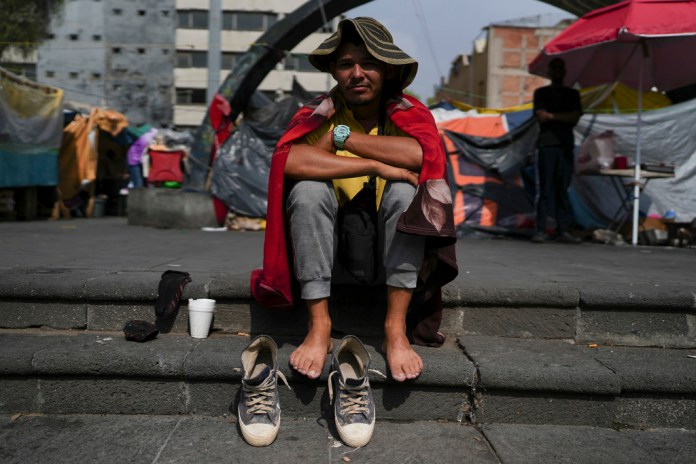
{"points": [[298, 63], [191, 59], [73, 75], [229, 60], [117, 12], [192, 19], [165, 13], [96, 37], [73, 36], [96, 75], [247, 20], [116, 50], [190, 96], [165, 51], [141, 12], [50, 74], [141, 51]]}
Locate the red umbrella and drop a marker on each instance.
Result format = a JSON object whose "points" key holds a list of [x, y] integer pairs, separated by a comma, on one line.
{"points": [[642, 43]]}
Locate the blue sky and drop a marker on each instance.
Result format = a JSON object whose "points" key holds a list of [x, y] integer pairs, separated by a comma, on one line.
{"points": [[435, 31]]}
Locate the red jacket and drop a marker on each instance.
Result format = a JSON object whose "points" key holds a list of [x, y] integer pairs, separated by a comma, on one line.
{"points": [[430, 215]]}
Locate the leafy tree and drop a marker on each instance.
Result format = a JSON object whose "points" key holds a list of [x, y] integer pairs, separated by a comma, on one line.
{"points": [[25, 23]]}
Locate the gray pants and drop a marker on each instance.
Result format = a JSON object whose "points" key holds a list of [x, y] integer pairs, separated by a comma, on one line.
{"points": [[312, 209]]}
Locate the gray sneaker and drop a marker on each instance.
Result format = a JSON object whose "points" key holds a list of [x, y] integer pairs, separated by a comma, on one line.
{"points": [[349, 389], [259, 406]]}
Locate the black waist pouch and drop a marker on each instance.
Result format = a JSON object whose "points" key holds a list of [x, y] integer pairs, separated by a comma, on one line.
{"points": [[357, 235]]}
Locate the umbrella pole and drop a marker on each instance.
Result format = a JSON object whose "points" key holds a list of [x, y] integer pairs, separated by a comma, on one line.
{"points": [[636, 179]]}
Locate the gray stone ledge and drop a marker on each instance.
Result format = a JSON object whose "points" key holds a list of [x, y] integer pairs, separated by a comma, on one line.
{"points": [[63, 315], [675, 411], [514, 407], [649, 370], [555, 296], [230, 286], [538, 365], [546, 443], [45, 283], [638, 296]]}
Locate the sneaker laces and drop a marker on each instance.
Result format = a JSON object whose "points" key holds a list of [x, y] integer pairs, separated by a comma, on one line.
{"points": [[259, 398], [352, 399]]}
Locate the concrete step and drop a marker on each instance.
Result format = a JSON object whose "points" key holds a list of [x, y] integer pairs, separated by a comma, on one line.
{"points": [[477, 380], [114, 439], [621, 314]]}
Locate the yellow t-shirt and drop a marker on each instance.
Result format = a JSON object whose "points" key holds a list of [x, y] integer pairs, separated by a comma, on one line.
{"points": [[346, 189]]}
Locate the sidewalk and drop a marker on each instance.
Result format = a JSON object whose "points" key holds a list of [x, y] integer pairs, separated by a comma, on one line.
{"points": [[111, 245], [66, 287], [119, 439]]}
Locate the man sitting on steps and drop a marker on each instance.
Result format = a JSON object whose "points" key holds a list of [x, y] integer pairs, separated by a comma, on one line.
{"points": [[364, 136]]}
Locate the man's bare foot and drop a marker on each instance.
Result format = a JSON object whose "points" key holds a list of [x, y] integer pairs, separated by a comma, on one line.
{"points": [[404, 363], [309, 358]]}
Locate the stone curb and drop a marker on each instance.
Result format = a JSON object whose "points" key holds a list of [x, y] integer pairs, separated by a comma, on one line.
{"points": [[503, 364], [97, 286], [557, 366], [182, 357]]}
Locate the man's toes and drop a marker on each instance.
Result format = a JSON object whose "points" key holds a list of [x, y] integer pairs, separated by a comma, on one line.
{"points": [[399, 375]]}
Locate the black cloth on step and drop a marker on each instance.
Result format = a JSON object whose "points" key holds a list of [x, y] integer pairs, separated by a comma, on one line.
{"points": [[169, 292], [139, 331]]}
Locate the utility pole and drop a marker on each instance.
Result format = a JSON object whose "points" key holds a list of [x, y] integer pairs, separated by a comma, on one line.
{"points": [[214, 52]]}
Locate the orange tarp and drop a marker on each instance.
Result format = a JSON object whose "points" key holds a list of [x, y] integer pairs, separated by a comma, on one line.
{"points": [[78, 159], [78, 155], [480, 126]]}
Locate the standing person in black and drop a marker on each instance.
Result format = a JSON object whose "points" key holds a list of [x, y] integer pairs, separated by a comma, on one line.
{"points": [[558, 109]]}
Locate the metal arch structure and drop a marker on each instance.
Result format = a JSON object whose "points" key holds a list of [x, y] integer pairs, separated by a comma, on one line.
{"points": [[250, 70], [579, 7], [269, 49], [286, 34]]}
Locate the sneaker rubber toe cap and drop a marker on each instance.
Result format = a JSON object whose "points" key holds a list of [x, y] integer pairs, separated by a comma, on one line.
{"points": [[259, 434], [356, 435]]}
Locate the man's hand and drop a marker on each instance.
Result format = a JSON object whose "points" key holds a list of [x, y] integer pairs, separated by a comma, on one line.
{"points": [[388, 172], [544, 116], [570, 117]]}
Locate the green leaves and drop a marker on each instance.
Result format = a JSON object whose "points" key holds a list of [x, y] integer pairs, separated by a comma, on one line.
{"points": [[26, 23]]}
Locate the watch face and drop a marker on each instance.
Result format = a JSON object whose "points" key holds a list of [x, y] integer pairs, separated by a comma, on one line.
{"points": [[341, 132]]}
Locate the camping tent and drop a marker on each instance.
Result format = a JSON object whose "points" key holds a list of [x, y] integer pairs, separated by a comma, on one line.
{"points": [[479, 205], [489, 158], [667, 137]]}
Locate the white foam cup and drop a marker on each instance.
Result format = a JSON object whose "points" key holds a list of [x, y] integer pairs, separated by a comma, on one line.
{"points": [[200, 316]]}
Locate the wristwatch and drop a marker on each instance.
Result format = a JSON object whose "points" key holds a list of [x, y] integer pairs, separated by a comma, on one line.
{"points": [[340, 135]]}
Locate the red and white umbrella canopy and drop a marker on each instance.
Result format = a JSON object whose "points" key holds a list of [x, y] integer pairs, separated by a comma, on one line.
{"points": [[612, 43]]}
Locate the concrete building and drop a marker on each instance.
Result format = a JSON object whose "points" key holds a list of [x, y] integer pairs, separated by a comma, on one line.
{"points": [[242, 23], [19, 61], [114, 53], [495, 74], [149, 58]]}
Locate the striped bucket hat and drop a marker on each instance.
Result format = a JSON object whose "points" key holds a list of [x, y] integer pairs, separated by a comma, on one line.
{"points": [[379, 43]]}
